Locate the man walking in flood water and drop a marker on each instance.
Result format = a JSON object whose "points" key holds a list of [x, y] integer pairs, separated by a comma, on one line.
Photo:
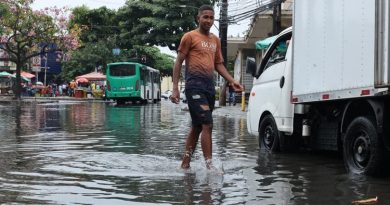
{"points": [[201, 51]]}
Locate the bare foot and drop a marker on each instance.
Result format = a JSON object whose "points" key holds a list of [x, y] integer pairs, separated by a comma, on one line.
{"points": [[185, 166], [186, 160], [212, 168], [209, 165]]}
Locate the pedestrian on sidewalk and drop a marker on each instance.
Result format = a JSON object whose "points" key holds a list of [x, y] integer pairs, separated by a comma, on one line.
{"points": [[201, 51], [72, 87], [232, 96]]}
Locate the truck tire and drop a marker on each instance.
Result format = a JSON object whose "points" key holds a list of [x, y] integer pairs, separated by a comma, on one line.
{"points": [[363, 151], [269, 134]]}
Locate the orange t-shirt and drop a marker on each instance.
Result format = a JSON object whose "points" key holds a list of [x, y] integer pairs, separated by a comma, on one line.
{"points": [[72, 85], [202, 54]]}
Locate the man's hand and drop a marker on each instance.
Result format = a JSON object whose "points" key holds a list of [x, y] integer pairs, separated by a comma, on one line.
{"points": [[175, 97], [237, 86]]}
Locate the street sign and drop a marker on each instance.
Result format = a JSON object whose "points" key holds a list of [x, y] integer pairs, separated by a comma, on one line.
{"points": [[36, 64]]}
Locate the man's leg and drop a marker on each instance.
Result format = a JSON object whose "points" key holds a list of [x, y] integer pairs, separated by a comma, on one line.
{"points": [[191, 142], [206, 143], [200, 105]]}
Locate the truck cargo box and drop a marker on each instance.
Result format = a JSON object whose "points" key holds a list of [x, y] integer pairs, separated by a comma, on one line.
{"points": [[341, 50]]}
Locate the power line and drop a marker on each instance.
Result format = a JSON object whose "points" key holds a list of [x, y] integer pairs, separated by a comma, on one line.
{"points": [[247, 10]]}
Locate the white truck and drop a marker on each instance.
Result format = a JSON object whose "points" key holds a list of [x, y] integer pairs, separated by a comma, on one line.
{"points": [[324, 83]]}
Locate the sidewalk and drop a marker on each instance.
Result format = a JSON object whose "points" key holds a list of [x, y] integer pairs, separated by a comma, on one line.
{"points": [[229, 110]]}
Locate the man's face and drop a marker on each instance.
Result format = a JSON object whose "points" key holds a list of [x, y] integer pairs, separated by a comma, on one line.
{"points": [[206, 19]]}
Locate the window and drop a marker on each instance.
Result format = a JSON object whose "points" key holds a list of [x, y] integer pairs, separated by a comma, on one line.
{"points": [[122, 70], [277, 52], [156, 77], [145, 75]]}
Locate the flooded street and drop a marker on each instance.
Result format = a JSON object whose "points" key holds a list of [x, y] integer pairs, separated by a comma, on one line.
{"points": [[97, 153]]}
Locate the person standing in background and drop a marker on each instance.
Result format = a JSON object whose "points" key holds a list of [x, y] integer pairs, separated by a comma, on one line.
{"points": [[72, 88]]}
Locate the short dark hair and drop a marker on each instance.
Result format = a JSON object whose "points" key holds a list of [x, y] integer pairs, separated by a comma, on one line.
{"points": [[204, 8]]}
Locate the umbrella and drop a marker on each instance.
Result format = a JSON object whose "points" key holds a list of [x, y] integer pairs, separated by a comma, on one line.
{"points": [[38, 86], [26, 74], [5, 74], [82, 80], [93, 76], [23, 78]]}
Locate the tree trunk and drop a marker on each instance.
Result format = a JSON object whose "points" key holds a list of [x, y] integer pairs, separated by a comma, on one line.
{"points": [[17, 87]]}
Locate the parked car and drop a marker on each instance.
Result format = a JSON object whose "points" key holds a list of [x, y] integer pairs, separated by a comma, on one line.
{"points": [[166, 94]]}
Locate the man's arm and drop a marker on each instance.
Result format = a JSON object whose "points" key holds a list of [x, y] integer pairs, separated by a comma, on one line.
{"points": [[220, 68], [175, 97]]}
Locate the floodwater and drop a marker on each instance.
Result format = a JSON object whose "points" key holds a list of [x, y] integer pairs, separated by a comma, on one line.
{"points": [[97, 153]]}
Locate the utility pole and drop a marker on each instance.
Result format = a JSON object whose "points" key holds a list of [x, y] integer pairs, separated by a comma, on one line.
{"points": [[276, 17], [223, 26]]}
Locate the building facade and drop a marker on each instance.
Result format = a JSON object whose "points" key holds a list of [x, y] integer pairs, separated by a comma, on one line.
{"points": [[261, 27]]}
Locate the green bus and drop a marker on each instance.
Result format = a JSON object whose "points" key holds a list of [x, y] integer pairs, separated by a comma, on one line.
{"points": [[131, 81]]}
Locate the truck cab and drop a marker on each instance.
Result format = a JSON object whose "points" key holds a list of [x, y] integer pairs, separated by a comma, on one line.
{"points": [[270, 110]]}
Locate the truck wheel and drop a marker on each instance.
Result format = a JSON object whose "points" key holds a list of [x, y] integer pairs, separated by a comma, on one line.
{"points": [[362, 150], [269, 134]]}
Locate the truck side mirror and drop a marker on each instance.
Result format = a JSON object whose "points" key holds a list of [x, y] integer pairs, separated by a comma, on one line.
{"points": [[251, 66]]}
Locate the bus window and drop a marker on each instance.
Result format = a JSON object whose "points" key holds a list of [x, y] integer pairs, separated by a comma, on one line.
{"points": [[145, 74], [122, 70], [156, 77]]}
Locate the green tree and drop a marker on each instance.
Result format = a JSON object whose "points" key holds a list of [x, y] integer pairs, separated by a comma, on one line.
{"points": [[99, 35], [157, 22], [28, 33], [93, 55], [98, 38], [86, 59], [3, 12], [154, 58], [97, 24]]}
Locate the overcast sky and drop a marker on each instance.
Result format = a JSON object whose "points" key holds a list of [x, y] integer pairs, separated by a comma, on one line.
{"points": [[92, 4]]}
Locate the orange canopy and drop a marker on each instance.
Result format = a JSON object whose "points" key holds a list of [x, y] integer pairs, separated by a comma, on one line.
{"points": [[92, 76], [27, 74], [81, 80]]}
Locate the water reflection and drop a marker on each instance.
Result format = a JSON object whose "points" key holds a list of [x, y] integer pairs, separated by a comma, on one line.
{"points": [[123, 123], [96, 153], [307, 178]]}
